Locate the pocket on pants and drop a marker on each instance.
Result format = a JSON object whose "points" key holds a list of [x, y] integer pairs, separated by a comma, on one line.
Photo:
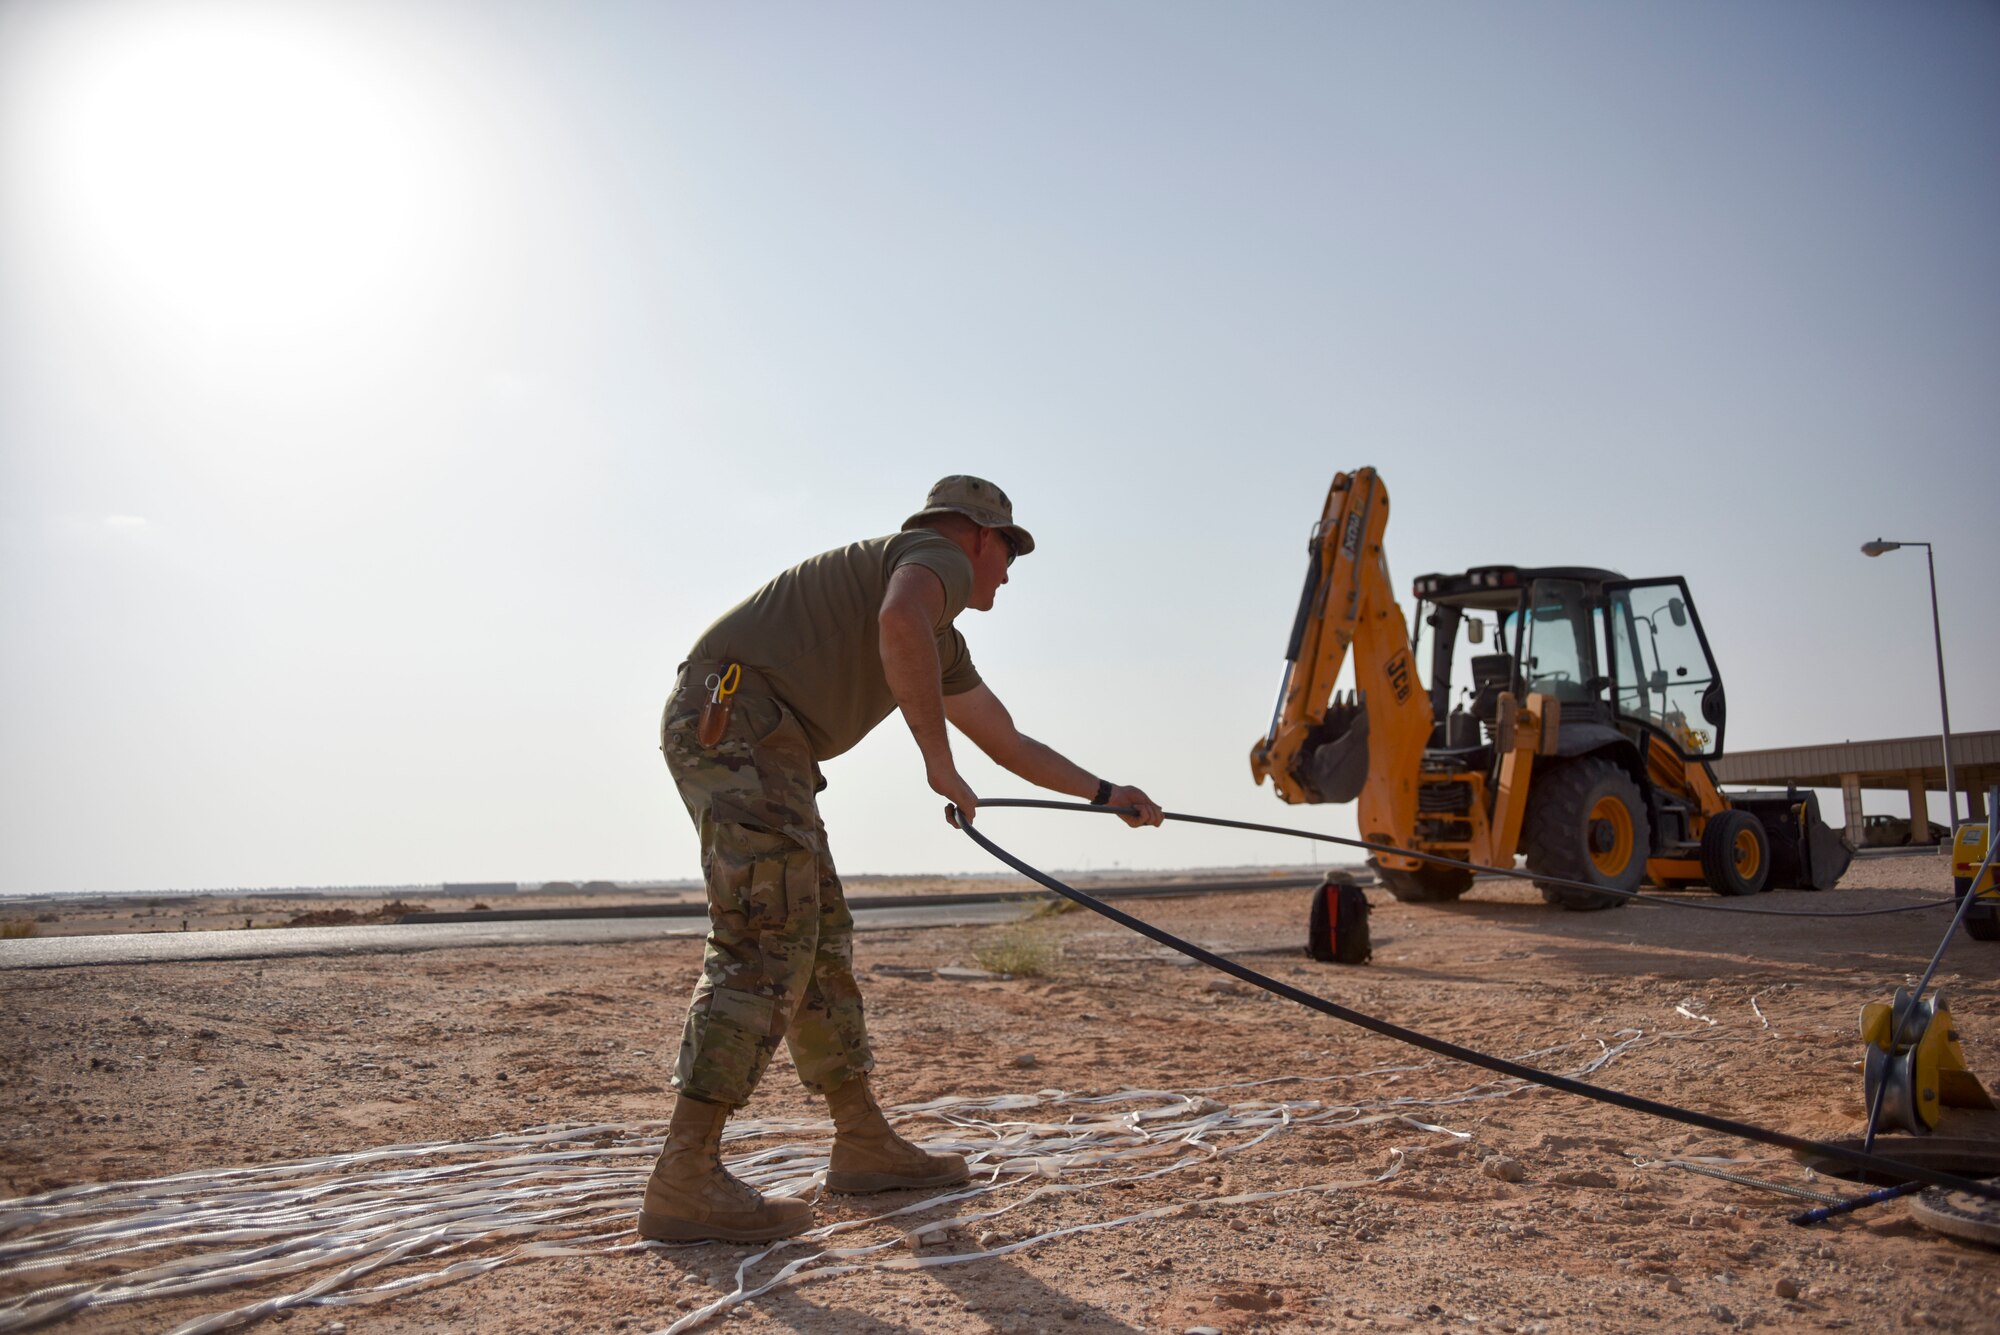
{"points": [[759, 876]]}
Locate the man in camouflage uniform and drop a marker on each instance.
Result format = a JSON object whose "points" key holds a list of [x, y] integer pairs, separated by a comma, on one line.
{"points": [[816, 658]]}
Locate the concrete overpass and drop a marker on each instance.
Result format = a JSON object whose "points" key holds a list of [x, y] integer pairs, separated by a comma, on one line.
{"points": [[1912, 765]]}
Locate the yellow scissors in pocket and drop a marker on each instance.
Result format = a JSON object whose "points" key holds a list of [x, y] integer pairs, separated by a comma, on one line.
{"points": [[715, 714]]}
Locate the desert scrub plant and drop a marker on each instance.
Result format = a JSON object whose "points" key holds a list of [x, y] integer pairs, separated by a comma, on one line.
{"points": [[1055, 906], [14, 927], [1020, 950]]}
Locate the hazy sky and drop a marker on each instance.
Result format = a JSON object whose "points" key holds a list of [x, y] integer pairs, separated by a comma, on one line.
{"points": [[390, 392]]}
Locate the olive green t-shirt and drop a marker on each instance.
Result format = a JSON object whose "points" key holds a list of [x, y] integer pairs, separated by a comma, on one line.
{"points": [[812, 634]]}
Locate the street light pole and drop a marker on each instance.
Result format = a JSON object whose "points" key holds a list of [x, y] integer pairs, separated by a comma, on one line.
{"points": [[1944, 703], [1877, 548]]}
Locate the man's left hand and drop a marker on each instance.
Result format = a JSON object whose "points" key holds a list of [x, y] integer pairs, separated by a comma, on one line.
{"points": [[1146, 809]]}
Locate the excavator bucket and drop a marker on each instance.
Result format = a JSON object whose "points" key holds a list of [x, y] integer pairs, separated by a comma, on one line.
{"points": [[1334, 761], [1806, 854]]}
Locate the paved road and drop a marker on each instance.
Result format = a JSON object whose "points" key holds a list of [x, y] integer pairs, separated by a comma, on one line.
{"points": [[261, 943], [497, 929], [539, 927]]}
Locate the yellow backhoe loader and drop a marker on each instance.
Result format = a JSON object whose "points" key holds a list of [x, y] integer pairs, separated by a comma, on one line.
{"points": [[1583, 746]]}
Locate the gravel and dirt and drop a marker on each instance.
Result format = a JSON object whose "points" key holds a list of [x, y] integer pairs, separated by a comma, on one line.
{"points": [[1522, 1211]]}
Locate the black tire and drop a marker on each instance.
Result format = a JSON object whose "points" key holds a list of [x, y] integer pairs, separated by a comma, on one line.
{"points": [[1428, 884], [1565, 811], [1982, 923], [1735, 854]]}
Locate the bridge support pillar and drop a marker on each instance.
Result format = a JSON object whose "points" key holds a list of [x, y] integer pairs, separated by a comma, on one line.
{"points": [[1850, 801], [1920, 809]]}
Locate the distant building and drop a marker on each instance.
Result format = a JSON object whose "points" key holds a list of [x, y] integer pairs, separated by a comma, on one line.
{"points": [[1914, 765]]}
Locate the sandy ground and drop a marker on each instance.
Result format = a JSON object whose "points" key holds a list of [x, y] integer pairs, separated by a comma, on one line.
{"points": [[115, 1073]]}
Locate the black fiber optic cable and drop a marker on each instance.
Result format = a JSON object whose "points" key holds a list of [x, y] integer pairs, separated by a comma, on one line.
{"points": [[1873, 1163], [1636, 896]]}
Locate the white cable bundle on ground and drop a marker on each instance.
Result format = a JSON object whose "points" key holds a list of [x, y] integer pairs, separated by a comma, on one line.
{"points": [[328, 1224]]}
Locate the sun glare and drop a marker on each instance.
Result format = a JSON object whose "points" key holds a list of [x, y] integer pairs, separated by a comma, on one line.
{"points": [[236, 180]]}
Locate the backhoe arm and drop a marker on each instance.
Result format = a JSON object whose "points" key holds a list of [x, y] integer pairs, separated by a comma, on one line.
{"points": [[1370, 745]]}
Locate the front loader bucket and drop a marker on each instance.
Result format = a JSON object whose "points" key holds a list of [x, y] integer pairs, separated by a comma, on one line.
{"points": [[1333, 764], [1805, 853]]}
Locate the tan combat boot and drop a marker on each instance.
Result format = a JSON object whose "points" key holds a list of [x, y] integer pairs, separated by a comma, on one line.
{"points": [[692, 1198], [869, 1156]]}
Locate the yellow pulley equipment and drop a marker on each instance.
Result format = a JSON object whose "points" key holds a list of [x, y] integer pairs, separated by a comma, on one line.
{"points": [[1915, 1066]]}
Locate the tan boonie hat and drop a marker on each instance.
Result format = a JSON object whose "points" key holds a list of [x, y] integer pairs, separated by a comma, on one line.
{"points": [[978, 500]]}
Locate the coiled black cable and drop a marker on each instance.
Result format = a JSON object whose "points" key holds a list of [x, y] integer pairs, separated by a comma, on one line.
{"points": [[1873, 1163]]}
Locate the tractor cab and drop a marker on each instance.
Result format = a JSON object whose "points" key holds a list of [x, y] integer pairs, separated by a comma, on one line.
{"points": [[1624, 659]]}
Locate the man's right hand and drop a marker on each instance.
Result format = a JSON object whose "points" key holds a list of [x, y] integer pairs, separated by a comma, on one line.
{"points": [[946, 783], [1145, 811]]}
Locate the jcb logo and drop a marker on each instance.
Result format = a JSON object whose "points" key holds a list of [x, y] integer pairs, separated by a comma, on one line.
{"points": [[1399, 677], [1350, 541]]}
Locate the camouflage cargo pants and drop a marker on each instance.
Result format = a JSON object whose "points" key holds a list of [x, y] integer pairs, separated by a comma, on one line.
{"points": [[780, 956]]}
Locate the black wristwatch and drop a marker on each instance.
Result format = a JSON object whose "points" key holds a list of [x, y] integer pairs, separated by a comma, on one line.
{"points": [[1103, 798]]}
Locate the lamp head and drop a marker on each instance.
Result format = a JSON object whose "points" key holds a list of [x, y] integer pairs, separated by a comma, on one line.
{"points": [[1877, 547]]}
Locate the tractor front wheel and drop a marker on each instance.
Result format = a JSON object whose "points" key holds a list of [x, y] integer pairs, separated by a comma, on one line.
{"points": [[1586, 822], [1735, 853]]}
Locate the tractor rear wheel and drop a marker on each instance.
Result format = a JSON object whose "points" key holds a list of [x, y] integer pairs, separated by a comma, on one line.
{"points": [[1586, 822], [1428, 884], [1735, 853]]}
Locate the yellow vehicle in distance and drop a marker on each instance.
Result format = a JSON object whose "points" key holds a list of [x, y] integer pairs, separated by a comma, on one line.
{"points": [[1968, 851]]}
